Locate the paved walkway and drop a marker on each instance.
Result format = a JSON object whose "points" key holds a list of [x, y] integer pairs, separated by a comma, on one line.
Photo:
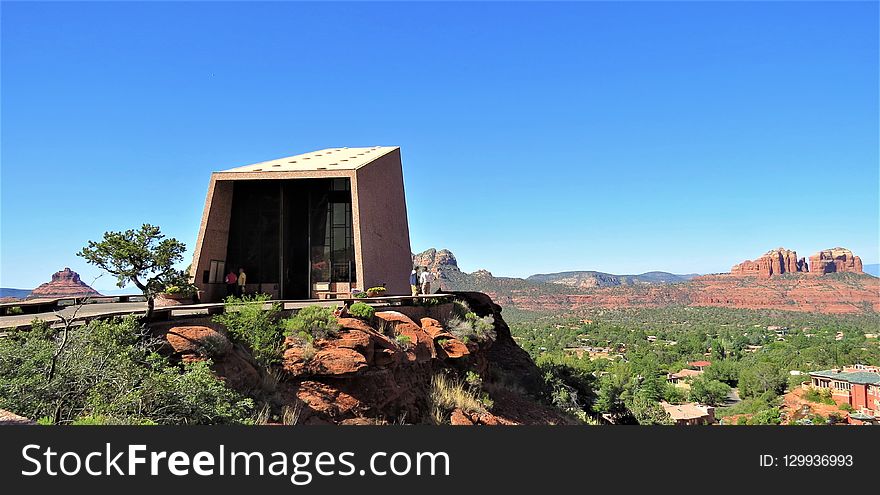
{"points": [[87, 311], [96, 310], [90, 311]]}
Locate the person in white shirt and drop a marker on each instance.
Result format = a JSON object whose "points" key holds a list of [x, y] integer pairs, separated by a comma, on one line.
{"points": [[426, 278]]}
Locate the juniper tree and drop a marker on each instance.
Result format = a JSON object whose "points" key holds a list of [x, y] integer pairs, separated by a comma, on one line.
{"points": [[143, 257]]}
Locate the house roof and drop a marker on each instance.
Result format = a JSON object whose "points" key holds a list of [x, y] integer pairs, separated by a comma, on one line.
{"points": [[685, 411], [326, 159], [700, 363], [861, 377], [686, 373]]}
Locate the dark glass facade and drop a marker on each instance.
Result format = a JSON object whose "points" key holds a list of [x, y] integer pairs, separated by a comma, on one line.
{"points": [[294, 233]]}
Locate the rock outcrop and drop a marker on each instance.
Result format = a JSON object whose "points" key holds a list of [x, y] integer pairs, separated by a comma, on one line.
{"points": [[367, 373], [774, 262], [379, 370], [835, 260], [11, 419], [436, 261], [191, 343], [65, 283]]}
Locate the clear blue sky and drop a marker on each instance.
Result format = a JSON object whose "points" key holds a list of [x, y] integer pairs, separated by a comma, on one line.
{"points": [[620, 137]]}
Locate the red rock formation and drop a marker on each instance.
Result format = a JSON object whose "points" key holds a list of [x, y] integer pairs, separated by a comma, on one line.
{"points": [[436, 260], [801, 292], [774, 262], [65, 283], [198, 343], [367, 374], [835, 260]]}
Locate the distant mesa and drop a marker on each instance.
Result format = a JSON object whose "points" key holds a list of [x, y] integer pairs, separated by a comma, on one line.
{"points": [[65, 283], [780, 260]]}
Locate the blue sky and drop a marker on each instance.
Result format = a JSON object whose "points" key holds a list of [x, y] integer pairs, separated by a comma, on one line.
{"points": [[620, 137]]}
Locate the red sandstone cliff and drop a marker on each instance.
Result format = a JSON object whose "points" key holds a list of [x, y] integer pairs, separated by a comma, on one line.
{"points": [[65, 283], [774, 262], [835, 260]]}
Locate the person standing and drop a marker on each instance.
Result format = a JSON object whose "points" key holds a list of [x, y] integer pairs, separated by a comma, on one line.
{"points": [[414, 281], [242, 281], [426, 278], [231, 283]]}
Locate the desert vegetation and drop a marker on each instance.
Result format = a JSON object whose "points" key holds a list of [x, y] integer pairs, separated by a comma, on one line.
{"points": [[109, 372]]}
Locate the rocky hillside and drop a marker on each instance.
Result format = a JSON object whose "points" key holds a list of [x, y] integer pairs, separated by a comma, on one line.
{"points": [[383, 370], [841, 291]]}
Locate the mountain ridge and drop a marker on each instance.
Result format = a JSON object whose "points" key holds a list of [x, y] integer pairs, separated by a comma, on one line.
{"points": [[824, 293]]}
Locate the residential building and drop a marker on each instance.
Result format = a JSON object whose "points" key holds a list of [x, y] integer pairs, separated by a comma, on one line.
{"points": [[857, 385]]}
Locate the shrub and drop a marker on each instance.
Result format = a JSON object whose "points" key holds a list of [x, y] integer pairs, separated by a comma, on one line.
{"points": [[378, 291], [403, 341], [460, 308], [846, 407], [15, 310], [766, 417], [821, 396], [472, 327], [187, 290], [107, 373], [312, 322], [247, 322], [473, 379], [362, 310]]}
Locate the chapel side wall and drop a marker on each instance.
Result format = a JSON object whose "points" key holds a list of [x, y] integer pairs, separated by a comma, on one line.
{"points": [[382, 230], [213, 237]]}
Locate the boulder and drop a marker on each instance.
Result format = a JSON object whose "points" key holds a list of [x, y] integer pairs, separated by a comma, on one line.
{"points": [[337, 361], [453, 349], [328, 402], [459, 418], [395, 317], [199, 340]]}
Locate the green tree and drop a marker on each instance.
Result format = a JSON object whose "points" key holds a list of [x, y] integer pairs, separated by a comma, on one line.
{"points": [[723, 370], [143, 257], [760, 378], [711, 392], [649, 412], [569, 382], [615, 389]]}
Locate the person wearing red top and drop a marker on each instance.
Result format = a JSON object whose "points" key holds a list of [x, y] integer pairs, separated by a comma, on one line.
{"points": [[231, 283]]}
